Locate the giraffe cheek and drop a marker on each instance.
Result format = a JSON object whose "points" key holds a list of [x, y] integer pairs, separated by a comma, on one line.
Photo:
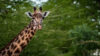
{"points": [[39, 27]]}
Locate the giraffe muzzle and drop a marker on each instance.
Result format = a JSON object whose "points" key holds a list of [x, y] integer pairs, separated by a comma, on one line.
{"points": [[39, 27]]}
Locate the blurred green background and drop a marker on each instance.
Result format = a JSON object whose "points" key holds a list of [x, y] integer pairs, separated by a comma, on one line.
{"points": [[71, 29]]}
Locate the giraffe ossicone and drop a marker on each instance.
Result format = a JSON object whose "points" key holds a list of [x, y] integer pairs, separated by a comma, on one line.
{"points": [[15, 47]]}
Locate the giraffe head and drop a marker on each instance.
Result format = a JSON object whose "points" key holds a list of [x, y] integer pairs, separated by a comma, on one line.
{"points": [[38, 16]]}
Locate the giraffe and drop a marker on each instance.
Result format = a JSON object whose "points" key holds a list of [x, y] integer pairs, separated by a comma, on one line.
{"points": [[15, 47]]}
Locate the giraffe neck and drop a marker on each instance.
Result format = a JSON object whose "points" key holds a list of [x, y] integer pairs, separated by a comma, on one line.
{"points": [[16, 46]]}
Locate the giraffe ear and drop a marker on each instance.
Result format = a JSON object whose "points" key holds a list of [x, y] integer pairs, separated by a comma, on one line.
{"points": [[45, 14], [28, 14]]}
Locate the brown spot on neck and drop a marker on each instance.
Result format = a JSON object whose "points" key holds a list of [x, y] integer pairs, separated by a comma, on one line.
{"points": [[25, 31], [9, 53], [21, 33], [23, 45], [32, 33], [27, 39], [17, 50], [31, 28], [23, 38], [3, 52], [13, 46]]}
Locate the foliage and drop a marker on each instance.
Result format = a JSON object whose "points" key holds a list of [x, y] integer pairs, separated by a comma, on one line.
{"points": [[85, 40]]}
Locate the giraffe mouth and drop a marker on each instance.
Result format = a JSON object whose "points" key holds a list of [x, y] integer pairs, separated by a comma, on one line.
{"points": [[39, 27]]}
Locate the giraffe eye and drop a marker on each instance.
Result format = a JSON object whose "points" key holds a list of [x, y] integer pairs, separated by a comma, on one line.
{"points": [[33, 18]]}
